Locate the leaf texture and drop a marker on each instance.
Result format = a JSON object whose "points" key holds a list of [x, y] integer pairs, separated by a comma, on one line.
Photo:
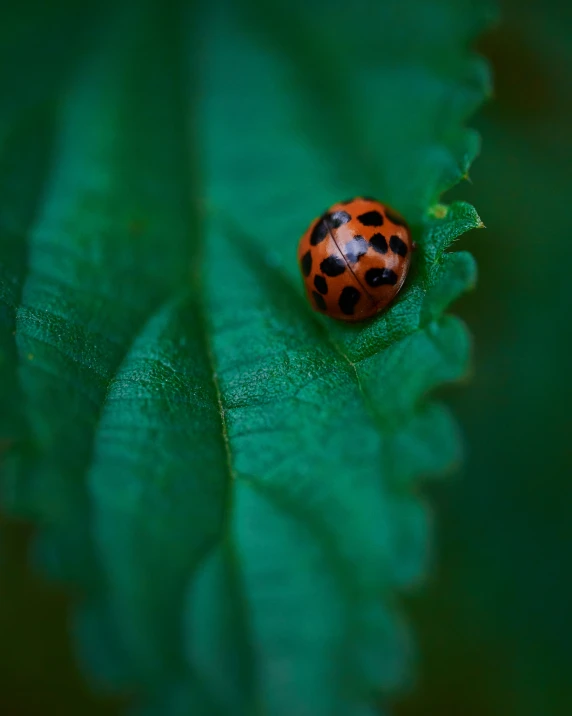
{"points": [[225, 478]]}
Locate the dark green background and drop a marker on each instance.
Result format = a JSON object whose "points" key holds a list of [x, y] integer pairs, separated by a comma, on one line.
{"points": [[493, 623]]}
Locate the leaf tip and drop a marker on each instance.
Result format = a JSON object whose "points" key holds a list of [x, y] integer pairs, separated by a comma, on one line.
{"points": [[438, 211]]}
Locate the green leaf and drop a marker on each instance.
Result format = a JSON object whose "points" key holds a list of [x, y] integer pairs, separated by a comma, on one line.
{"points": [[223, 477]]}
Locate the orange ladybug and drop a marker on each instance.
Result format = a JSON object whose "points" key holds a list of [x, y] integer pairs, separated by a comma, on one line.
{"points": [[355, 258]]}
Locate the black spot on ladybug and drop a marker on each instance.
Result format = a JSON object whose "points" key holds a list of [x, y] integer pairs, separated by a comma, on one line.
{"points": [[348, 300], [338, 218], [320, 303], [371, 218], [326, 223], [355, 249], [321, 284], [395, 217], [380, 277], [379, 243], [333, 266], [368, 198], [398, 246], [306, 263], [319, 232]]}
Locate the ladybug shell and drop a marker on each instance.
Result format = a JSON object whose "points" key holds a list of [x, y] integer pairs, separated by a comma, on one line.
{"points": [[354, 259]]}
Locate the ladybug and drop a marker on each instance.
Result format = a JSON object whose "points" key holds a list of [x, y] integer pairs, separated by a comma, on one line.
{"points": [[354, 258]]}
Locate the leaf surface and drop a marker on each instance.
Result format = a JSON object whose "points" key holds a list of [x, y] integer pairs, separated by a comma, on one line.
{"points": [[223, 476]]}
